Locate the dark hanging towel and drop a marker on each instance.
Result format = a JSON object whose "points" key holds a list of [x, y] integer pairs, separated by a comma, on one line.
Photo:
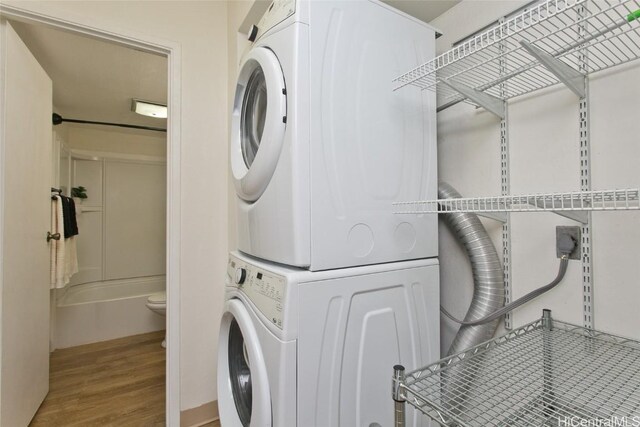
{"points": [[69, 215]]}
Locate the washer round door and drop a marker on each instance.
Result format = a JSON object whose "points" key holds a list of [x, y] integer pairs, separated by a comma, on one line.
{"points": [[243, 391], [258, 123]]}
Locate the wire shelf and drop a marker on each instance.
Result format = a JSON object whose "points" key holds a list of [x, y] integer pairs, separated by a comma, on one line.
{"points": [[599, 200], [606, 31], [547, 373]]}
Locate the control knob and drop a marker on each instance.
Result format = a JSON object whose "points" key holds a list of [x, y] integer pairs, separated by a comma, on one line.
{"points": [[253, 33], [241, 275]]}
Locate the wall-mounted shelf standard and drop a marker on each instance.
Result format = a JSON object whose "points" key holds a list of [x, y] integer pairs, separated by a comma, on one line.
{"points": [[542, 46], [541, 374], [572, 204]]}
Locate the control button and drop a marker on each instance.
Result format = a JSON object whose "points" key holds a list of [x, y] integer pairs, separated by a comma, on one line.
{"points": [[253, 33], [241, 275]]}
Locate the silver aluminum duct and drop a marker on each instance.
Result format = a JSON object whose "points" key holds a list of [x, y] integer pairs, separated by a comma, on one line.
{"points": [[488, 294], [488, 277]]}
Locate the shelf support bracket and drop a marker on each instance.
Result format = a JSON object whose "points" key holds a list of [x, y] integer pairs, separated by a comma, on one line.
{"points": [[579, 216], [496, 216], [571, 78], [488, 102]]}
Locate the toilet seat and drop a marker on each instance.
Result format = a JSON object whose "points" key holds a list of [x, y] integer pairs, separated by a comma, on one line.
{"points": [[158, 299]]}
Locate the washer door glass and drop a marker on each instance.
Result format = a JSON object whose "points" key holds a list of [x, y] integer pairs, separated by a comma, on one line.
{"points": [[243, 385], [258, 123], [240, 374], [254, 112]]}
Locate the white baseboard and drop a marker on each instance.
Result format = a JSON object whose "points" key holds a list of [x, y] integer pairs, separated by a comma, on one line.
{"points": [[200, 415]]}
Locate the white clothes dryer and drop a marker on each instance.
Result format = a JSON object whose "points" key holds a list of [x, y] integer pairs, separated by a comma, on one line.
{"points": [[301, 348], [321, 144]]}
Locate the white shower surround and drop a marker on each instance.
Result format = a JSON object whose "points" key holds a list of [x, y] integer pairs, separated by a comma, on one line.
{"points": [[99, 311], [100, 304], [122, 222], [110, 290]]}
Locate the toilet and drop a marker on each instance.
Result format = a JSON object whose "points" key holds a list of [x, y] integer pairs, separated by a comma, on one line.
{"points": [[158, 304]]}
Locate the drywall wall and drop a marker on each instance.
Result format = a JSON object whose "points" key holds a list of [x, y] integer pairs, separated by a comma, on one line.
{"points": [[201, 30], [113, 140], [544, 154]]}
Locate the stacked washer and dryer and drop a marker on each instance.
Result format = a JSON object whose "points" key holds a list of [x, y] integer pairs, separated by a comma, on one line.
{"points": [[329, 289]]}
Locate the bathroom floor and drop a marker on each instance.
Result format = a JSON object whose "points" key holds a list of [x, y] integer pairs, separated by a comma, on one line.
{"points": [[119, 382]]}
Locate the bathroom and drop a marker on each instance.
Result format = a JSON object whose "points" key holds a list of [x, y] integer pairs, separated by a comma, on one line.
{"points": [[121, 244], [122, 216], [116, 176]]}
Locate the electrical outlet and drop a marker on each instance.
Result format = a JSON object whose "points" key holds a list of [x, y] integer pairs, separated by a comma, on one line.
{"points": [[574, 233]]}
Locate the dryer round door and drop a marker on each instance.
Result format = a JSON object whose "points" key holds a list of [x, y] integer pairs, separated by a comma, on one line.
{"points": [[243, 391], [258, 123]]}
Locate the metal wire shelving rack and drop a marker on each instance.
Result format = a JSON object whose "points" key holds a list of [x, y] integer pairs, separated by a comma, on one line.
{"points": [[545, 43], [546, 373], [540, 47], [555, 41], [571, 204]]}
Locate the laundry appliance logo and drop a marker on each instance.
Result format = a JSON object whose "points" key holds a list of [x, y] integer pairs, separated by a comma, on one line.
{"points": [[576, 421]]}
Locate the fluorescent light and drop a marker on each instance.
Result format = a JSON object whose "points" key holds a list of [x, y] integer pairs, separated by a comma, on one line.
{"points": [[151, 109]]}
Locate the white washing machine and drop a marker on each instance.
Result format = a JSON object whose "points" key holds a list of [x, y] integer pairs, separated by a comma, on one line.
{"points": [[320, 143], [301, 348]]}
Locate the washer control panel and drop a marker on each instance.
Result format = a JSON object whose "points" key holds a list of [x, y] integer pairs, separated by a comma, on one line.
{"points": [[264, 289], [278, 11]]}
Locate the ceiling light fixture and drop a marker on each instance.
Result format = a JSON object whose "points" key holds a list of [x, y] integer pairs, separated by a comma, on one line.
{"points": [[147, 108]]}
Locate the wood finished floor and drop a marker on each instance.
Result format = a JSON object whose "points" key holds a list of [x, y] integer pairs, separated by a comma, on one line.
{"points": [[112, 383]]}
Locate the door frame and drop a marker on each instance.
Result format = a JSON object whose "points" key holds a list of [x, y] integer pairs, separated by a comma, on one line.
{"points": [[172, 51]]}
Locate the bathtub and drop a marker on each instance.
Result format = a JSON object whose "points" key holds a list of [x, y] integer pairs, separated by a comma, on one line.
{"points": [[100, 311]]}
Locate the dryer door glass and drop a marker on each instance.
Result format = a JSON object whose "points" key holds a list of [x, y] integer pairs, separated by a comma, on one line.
{"points": [[258, 123], [254, 112], [240, 374]]}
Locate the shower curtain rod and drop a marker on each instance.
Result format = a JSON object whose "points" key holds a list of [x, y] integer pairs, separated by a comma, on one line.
{"points": [[58, 119]]}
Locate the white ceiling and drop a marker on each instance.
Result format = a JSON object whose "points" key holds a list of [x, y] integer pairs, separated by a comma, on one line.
{"points": [[95, 80], [424, 10]]}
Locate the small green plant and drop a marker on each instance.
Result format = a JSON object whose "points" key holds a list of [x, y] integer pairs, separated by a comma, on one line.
{"points": [[79, 192]]}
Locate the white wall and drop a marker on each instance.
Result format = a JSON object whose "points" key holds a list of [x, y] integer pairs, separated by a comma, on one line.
{"points": [[544, 153], [113, 140], [201, 30]]}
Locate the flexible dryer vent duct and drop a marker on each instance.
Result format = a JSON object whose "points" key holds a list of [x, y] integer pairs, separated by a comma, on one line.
{"points": [[488, 296], [488, 278]]}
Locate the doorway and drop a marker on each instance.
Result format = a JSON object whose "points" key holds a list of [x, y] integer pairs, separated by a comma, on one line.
{"points": [[172, 185]]}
